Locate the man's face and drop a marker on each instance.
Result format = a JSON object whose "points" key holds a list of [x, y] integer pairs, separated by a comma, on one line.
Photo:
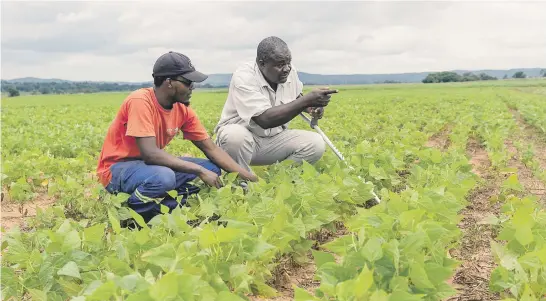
{"points": [[277, 68], [182, 90]]}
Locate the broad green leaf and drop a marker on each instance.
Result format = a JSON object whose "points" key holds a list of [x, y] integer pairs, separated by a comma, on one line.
{"points": [[70, 269], [228, 296], [103, 291], [37, 295], [302, 295], [406, 296], [419, 277], [70, 288], [322, 258], [363, 282], [94, 233], [166, 288], [379, 295], [513, 183], [409, 219], [172, 193], [207, 237], [163, 256], [524, 235], [435, 156], [436, 273], [129, 282], [227, 234], [284, 191], [143, 295], [528, 294], [372, 250], [114, 221], [72, 241], [341, 245], [138, 218], [523, 217]]}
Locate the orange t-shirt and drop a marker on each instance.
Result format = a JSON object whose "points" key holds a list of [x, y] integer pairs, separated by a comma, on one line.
{"points": [[141, 115]]}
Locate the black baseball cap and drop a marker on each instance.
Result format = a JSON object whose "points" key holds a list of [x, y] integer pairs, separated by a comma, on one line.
{"points": [[175, 63]]}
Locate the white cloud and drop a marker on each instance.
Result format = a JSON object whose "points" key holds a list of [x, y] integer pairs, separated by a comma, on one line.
{"points": [[121, 40]]}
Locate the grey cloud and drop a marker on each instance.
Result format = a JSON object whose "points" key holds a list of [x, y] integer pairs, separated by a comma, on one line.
{"points": [[327, 37]]}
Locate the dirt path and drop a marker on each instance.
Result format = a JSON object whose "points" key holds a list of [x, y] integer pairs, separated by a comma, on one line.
{"points": [[472, 277], [15, 214], [528, 135], [531, 184], [531, 134], [440, 140], [289, 274]]}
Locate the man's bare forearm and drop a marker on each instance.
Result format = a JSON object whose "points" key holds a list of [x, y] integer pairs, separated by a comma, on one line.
{"points": [[279, 115], [219, 157], [162, 158], [225, 162]]}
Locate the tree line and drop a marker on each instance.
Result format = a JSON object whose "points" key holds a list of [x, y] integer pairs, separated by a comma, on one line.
{"points": [[447, 77], [34, 88]]}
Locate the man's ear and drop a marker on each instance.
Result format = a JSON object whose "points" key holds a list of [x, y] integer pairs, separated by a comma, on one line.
{"points": [[169, 82]]}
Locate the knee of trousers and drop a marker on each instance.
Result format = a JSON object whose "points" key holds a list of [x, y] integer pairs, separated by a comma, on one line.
{"points": [[314, 146], [234, 137], [163, 180]]}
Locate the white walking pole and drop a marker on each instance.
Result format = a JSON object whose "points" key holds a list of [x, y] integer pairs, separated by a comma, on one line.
{"points": [[314, 125]]}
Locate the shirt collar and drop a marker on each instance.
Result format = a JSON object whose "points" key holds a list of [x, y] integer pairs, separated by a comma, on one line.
{"points": [[262, 80]]}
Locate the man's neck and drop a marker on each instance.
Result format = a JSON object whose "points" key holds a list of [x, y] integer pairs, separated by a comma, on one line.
{"points": [[272, 85], [162, 99]]}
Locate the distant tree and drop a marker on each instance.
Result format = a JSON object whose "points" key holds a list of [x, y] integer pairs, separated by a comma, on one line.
{"points": [[519, 74], [45, 90], [505, 76], [469, 76], [13, 92], [484, 76], [442, 77], [543, 72]]}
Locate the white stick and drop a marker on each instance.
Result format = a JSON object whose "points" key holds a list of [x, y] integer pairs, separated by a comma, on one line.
{"points": [[336, 151]]}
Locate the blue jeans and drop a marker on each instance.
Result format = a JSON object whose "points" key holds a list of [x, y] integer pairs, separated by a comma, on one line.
{"points": [[148, 184]]}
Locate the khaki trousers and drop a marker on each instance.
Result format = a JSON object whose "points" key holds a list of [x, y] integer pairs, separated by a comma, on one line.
{"points": [[248, 149]]}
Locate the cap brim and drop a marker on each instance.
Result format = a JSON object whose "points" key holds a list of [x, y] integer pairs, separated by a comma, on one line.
{"points": [[195, 76]]}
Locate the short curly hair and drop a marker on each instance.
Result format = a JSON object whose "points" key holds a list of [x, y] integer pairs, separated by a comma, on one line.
{"points": [[268, 47]]}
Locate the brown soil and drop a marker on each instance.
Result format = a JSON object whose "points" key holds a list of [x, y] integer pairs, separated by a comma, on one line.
{"points": [[531, 184], [289, 274], [440, 140], [15, 214], [530, 133], [472, 278]]}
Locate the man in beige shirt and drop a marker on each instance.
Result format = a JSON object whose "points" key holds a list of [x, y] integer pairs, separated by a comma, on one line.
{"points": [[264, 96]]}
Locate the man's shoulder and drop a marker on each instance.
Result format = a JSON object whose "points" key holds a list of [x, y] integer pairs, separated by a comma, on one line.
{"points": [[140, 96], [245, 74]]}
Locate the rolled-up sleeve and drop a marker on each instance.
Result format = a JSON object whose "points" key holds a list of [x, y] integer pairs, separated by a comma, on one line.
{"points": [[299, 84], [249, 101]]}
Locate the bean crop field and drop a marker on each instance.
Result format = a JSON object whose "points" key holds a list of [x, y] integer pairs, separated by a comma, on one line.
{"points": [[460, 169]]}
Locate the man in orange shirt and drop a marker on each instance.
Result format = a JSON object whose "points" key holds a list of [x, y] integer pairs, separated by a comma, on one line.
{"points": [[132, 159]]}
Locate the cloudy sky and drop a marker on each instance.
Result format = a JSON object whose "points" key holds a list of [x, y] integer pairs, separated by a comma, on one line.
{"points": [[119, 41]]}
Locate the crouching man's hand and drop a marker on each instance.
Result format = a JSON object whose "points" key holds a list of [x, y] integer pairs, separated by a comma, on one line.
{"points": [[316, 112], [248, 176]]}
